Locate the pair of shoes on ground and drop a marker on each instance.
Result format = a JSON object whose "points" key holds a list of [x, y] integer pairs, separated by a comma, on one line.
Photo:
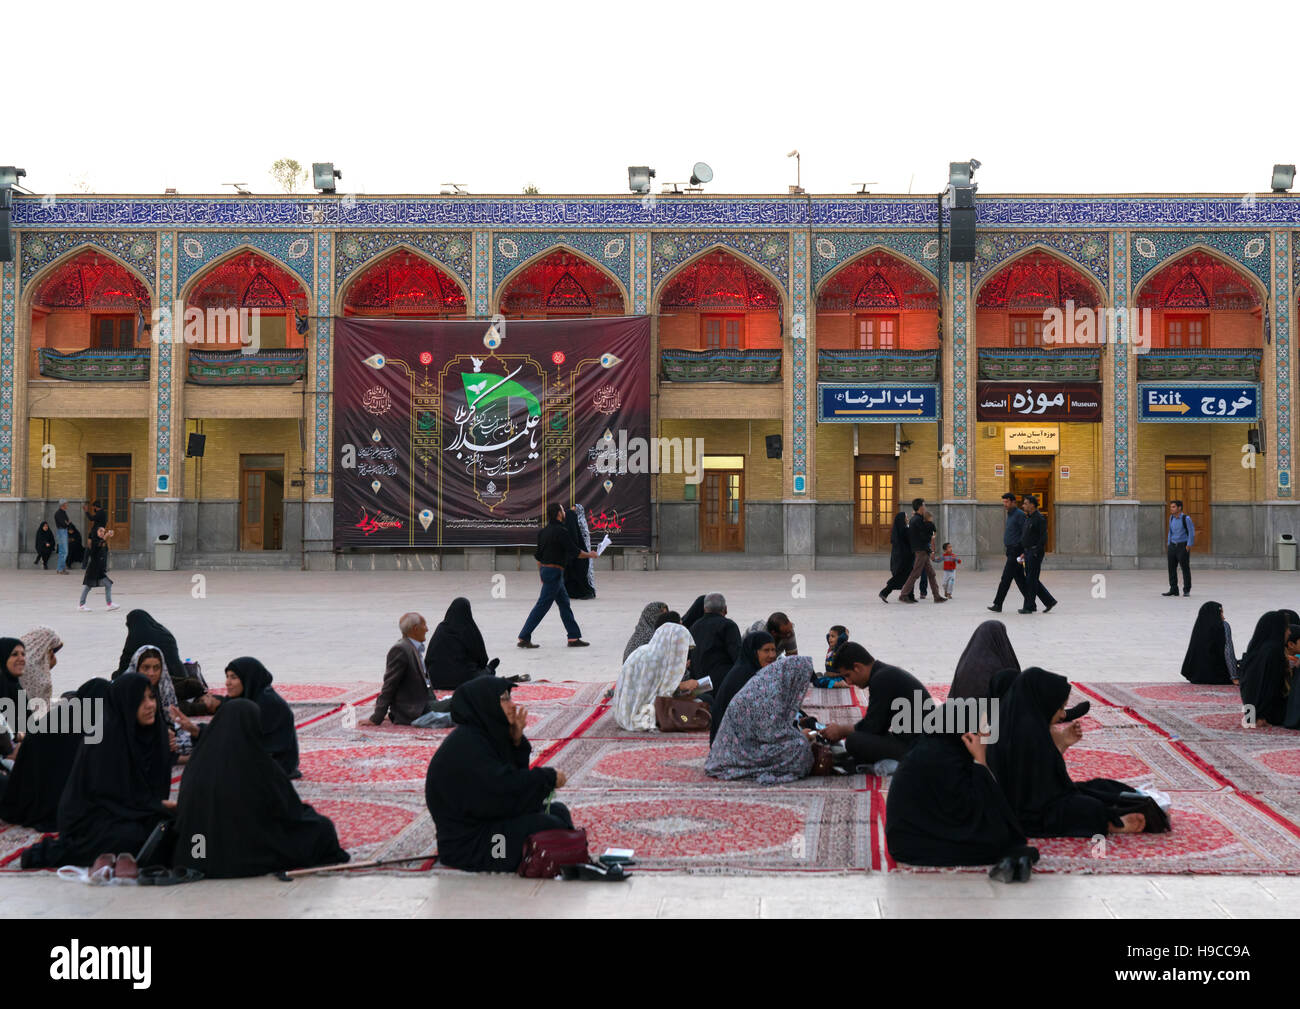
{"points": [[1014, 868], [107, 609], [1046, 609], [106, 869], [1174, 592], [573, 643]]}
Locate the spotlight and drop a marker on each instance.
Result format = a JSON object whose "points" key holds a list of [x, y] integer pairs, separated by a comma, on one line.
{"points": [[960, 173], [9, 176], [638, 179], [701, 173], [1283, 177], [323, 174]]}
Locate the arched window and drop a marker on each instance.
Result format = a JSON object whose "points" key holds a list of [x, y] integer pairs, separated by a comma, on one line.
{"points": [[878, 302], [403, 284], [719, 302], [1015, 302], [560, 285], [244, 291], [90, 301], [1199, 302]]}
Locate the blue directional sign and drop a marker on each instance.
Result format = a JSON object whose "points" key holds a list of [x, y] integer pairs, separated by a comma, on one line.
{"points": [[877, 404], [1199, 403]]}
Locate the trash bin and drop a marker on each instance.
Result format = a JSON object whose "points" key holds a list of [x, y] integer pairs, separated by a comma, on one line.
{"points": [[1286, 552], [164, 554]]}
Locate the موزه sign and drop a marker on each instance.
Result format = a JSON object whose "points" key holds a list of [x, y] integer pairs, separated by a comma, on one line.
{"points": [[1033, 439], [1058, 401]]}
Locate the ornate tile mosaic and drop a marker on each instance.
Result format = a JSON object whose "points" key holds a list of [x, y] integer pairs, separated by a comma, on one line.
{"points": [[1120, 355], [960, 289], [771, 250], [195, 250], [1282, 357], [138, 250], [1152, 249], [8, 351], [833, 250], [640, 273], [482, 257], [799, 345], [512, 249], [1088, 250], [453, 250], [323, 298], [163, 418]]}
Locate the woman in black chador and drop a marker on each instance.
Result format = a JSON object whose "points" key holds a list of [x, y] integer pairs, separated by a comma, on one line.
{"points": [[457, 652], [1210, 657]]}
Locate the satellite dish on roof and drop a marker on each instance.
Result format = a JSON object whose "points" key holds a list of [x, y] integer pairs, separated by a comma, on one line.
{"points": [[701, 173]]}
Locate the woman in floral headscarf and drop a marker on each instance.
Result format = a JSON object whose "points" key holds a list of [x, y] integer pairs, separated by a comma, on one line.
{"points": [[645, 627], [758, 737], [653, 670], [40, 643]]}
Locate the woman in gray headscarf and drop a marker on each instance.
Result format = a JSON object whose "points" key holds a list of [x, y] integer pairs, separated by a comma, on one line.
{"points": [[758, 737], [645, 627]]}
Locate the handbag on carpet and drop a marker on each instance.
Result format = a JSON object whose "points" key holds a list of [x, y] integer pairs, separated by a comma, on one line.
{"points": [[823, 760], [549, 851], [682, 714]]}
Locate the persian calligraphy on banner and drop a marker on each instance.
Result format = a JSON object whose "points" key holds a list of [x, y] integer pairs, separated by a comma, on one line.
{"points": [[1202, 403], [1059, 401], [483, 429], [877, 404]]}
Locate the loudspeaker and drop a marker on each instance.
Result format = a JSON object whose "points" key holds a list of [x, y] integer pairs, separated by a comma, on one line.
{"points": [[194, 446], [6, 236], [774, 446], [961, 235], [1255, 438]]}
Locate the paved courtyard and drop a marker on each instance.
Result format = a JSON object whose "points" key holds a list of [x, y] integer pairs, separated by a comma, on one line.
{"points": [[323, 627]]}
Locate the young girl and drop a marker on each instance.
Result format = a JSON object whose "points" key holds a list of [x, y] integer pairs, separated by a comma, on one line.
{"points": [[835, 637], [97, 570], [950, 562]]}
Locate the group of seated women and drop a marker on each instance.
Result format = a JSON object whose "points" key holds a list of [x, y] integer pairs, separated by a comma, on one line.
{"points": [[96, 765]]}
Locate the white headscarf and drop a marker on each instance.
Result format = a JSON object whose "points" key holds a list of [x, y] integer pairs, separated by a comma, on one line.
{"points": [[653, 670], [36, 682]]}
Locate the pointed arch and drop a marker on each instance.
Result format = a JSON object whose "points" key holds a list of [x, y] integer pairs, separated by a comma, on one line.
{"points": [[538, 258], [205, 273], [1038, 252], [34, 283], [745, 261], [447, 276], [1144, 292], [908, 281]]}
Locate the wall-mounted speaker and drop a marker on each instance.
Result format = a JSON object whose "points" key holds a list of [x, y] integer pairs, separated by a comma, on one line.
{"points": [[961, 235], [774, 446], [194, 445]]}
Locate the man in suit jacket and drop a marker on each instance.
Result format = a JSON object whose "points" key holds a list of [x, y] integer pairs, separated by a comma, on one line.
{"points": [[406, 696], [1033, 544]]}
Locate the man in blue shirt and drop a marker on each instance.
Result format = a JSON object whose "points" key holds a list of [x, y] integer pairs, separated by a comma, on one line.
{"points": [[1182, 534]]}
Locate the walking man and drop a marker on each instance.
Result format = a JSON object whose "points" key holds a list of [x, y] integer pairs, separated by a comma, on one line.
{"points": [[61, 523], [556, 548], [920, 532], [1012, 533], [1032, 547], [1182, 534]]}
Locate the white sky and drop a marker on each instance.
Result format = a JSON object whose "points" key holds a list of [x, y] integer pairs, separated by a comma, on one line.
{"points": [[1102, 96]]}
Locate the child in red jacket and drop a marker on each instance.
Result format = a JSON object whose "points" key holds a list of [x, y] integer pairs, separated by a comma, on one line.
{"points": [[950, 562]]}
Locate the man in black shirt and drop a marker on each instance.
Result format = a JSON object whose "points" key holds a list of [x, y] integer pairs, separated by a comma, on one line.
{"points": [[1033, 545], [556, 548], [920, 532], [896, 706], [1011, 535]]}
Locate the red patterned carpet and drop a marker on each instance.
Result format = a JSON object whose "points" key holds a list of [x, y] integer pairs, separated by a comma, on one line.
{"points": [[1236, 792]]}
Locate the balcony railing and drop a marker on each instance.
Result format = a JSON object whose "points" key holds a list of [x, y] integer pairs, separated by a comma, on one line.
{"points": [[1238, 364], [877, 365], [1040, 364], [266, 367], [95, 365], [749, 366]]}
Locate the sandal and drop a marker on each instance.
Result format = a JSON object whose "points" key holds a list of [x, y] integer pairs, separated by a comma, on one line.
{"points": [[101, 870], [596, 871], [125, 869]]}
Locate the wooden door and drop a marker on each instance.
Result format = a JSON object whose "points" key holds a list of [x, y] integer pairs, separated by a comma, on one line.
{"points": [[722, 511], [1032, 474], [875, 502], [1187, 479], [252, 521], [111, 486]]}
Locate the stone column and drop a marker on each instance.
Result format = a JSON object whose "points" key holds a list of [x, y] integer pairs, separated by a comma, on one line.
{"points": [[1119, 521], [166, 414], [13, 420], [799, 509], [957, 512], [318, 536]]}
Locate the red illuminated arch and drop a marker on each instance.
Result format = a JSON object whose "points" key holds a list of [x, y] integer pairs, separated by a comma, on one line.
{"points": [[719, 281], [91, 281], [1198, 301], [561, 283], [1038, 281], [878, 280], [404, 283], [242, 281]]}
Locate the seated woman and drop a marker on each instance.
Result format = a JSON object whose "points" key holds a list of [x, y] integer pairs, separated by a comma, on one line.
{"points": [[484, 799], [44, 545], [693, 613], [946, 808], [1029, 764], [248, 678], [41, 645], [148, 662], [45, 759], [141, 630], [239, 801], [758, 737], [645, 627], [457, 652], [653, 670], [1266, 673], [757, 650], [988, 651], [117, 791], [1210, 656], [13, 663]]}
